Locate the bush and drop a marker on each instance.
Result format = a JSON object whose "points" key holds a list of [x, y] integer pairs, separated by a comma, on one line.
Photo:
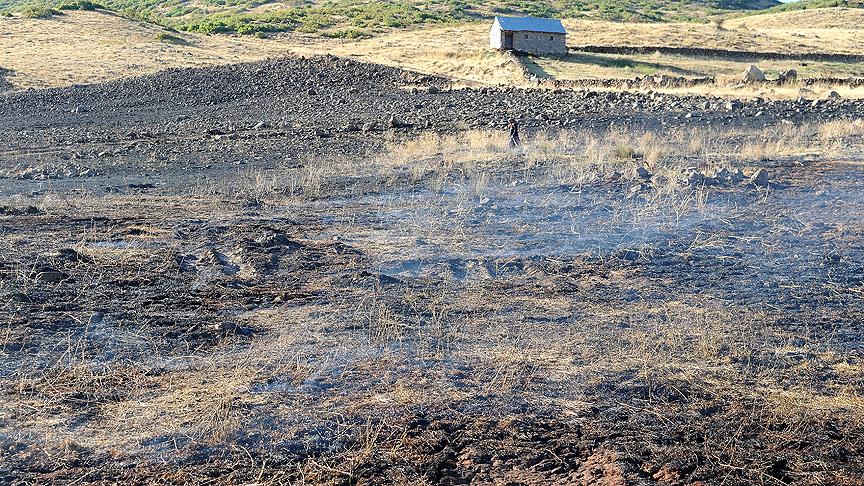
{"points": [[81, 5], [40, 12], [347, 34], [169, 38]]}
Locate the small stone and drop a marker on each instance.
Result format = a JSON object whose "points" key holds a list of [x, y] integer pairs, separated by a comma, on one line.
{"points": [[628, 255], [723, 175], [51, 276], [613, 176], [278, 240], [642, 173], [693, 177], [732, 105], [759, 178], [634, 191], [232, 328], [368, 127], [69, 255], [659, 180], [20, 297]]}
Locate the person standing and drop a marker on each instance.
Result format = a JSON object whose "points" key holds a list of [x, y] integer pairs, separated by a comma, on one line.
{"points": [[513, 126]]}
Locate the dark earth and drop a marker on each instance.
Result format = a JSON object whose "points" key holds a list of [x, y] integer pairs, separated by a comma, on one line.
{"points": [[378, 330]]}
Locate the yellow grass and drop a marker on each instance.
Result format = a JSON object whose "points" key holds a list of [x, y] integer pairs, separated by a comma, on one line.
{"points": [[821, 30], [89, 47], [84, 47]]}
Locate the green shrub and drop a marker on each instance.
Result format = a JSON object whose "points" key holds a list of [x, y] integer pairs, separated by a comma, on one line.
{"points": [[40, 12], [169, 38], [346, 34], [81, 5]]}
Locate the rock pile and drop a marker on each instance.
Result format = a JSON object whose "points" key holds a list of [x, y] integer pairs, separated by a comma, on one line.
{"points": [[49, 173]]}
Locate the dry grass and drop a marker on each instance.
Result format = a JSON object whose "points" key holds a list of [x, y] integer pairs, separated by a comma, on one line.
{"points": [[822, 30], [82, 47], [581, 66], [90, 47], [553, 333], [582, 157]]}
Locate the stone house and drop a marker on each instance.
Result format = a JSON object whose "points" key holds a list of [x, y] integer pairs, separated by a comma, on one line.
{"points": [[528, 34]]}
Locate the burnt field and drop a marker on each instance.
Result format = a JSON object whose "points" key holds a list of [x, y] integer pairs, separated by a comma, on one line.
{"points": [[324, 272]]}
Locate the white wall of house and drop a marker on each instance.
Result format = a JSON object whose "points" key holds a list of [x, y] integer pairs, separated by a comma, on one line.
{"points": [[496, 36]]}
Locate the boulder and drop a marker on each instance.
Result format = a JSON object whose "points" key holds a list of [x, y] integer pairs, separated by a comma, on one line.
{"points": [[752, 75], [788, 77]]}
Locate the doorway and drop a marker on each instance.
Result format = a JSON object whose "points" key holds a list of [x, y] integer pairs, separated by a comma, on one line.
{"points": [[508, 41]]}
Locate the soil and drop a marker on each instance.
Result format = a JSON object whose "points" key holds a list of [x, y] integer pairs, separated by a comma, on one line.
{"points": [[170, 318]]}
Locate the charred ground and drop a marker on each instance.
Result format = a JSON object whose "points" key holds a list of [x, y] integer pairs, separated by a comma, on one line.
{"points": [[326, 272]]}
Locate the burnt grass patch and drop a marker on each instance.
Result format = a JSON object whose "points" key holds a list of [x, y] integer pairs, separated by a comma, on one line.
{"points": [[420, 304]]}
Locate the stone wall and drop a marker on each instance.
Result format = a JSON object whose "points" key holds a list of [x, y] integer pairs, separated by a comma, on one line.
{"points": [[539, 42]]}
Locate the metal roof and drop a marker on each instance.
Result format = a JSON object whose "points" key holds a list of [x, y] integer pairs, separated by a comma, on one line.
{"points": [[531, 24]]}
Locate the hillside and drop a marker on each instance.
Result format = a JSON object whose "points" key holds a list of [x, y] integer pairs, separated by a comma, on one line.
{"points": [[89, 47], [85, 47], [356, 18]]}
